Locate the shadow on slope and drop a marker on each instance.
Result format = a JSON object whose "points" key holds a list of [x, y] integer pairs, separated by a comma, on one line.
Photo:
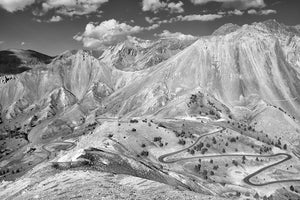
{"points": [[18, 61]]}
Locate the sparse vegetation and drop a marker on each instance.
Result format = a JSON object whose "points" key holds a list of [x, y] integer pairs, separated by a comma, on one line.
{"points": [[144, 153]]}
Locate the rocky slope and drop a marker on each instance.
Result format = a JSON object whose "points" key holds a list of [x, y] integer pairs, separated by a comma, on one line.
{"points": [[14, 61], [256, 60], [136, 54]]}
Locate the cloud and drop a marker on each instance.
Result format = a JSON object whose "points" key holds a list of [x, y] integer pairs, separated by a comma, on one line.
{"points": [[72, 7], [261, 12], [195, 17], [1, 42], [235, 12], [177, 35], [238, 4], [55, 19], [153, 5], [152, 27], [252, 12], [151, 20], [176, 7], [157, 5], [107, 33], [15, 5], [23, 43], [268, 12], [206, 17]]}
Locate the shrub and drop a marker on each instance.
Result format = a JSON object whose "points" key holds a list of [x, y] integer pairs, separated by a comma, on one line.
{"points": [[284, 146], [214, 140], [192, 151], [181, 141], [234, 162], [211, 112], [204, 150], [144, 153], [197, 167], [157, 139], [161, 125], [55, 165]]}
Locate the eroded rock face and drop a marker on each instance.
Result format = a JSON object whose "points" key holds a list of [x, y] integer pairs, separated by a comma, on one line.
{"points": [[135, 55], [258, 59]]}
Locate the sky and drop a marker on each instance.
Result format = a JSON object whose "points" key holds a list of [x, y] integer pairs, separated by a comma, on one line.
{"points": [[54, 26]]}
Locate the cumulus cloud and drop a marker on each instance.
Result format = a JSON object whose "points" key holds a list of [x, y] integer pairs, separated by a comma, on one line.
{"points": [[72, 7], [206, 17], [151, 20], [1, 42], [177, 35], [99, 36], [23, 43], [235, 12], [153, 5], [194, 17], [55, 19], [238, 4], [176, 7], [261, 12], [15, 5], [157, 5], [268, 12]]}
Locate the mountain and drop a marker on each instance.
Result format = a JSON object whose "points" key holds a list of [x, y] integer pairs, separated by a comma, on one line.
{"points": [[225, 29], [136, 54], [260, 59], [14, 61], [142, 107]]}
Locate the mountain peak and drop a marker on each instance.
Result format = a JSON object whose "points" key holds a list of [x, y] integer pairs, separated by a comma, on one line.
{"points": [[273, 26], [225, 29]]}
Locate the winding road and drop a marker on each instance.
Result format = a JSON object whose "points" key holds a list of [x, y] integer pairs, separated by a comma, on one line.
{"points": [[247, 179]]}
